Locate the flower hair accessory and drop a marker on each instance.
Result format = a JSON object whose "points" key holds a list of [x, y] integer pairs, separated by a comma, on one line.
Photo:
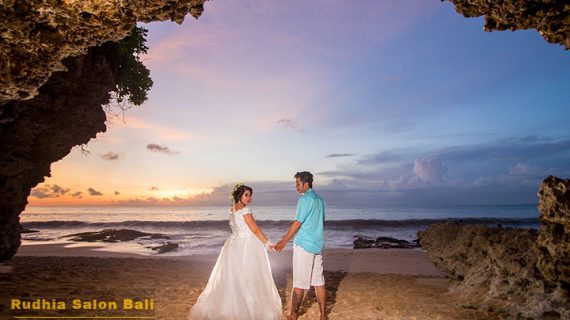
{"points": [[236, 187]]}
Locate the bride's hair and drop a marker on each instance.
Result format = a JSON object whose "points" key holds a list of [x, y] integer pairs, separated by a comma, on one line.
{"points": [[238, 191]]}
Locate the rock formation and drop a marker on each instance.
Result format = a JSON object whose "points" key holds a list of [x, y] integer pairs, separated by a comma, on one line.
{"points": [[521, 272], [553, 244], [58, 64], [37, 35], [56, 69], [551, 18], [34, 133]]}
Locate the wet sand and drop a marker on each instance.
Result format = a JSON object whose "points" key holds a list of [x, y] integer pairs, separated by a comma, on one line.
{"points": [[362, 284]]}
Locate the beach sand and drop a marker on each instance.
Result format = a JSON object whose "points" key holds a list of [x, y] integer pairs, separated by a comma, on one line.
{"points": [[362, 284]]}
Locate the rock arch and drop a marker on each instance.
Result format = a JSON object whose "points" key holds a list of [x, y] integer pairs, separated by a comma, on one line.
{"points": [[49, 53]]}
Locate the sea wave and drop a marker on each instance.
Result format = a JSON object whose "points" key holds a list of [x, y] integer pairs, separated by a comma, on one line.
{"points": [[334, 224]]}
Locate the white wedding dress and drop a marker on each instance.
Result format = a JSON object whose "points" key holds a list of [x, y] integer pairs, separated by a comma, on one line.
{"points": [[241, 285]]}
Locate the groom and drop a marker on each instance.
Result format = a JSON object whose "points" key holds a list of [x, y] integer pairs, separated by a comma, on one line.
{"points": [[308, 244]]}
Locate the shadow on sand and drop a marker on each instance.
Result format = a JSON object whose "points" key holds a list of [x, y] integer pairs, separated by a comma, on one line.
{"points": [[332, 283]]}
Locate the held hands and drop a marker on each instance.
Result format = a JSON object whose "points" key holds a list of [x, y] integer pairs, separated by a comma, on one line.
{"points": [[269, 245], [275, 247], [279, 246]]}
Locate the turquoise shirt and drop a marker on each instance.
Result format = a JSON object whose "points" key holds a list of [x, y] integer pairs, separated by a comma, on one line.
{"points": [[311, 215]]}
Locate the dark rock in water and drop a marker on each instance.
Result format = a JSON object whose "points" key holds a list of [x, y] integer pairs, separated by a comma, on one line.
{"points": [[382, 243], [524, 273], [158, 236], [24, 230], [166, 247], [361, 243], [387, 242], [113, 235]]}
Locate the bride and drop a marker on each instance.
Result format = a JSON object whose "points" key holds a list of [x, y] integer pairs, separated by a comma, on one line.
{"points": [[241, 285]]}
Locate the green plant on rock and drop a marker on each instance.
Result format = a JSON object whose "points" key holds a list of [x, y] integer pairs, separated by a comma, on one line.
{"points": [[133, 79]]}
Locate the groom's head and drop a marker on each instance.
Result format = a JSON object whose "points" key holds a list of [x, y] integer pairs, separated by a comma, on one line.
{"points": [[303, 181]]}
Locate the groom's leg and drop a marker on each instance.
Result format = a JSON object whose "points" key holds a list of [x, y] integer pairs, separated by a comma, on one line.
{"points": [[302, 267], [321, 293], [296, 298], [318, 281]]}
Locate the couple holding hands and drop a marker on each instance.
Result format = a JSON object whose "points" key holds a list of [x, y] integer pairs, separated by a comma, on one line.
{"points": [[241, 284]]}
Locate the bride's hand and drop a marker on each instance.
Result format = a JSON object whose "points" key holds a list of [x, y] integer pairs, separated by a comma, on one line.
{"points": [[270, 246]]}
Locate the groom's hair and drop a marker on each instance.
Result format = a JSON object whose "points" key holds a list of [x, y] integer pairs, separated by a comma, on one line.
{"points": [[305, 177]]}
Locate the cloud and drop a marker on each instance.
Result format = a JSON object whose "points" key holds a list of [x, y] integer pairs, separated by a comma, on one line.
{"points": [[77, 194], [388, 156], [340, 155], [59, 190], [477, 173], [157, 148], [405, 182], [405, 190], [42, 194], [368, 174], [94, 192], [110, 156], [429, 170], [513, 149], [164, 133], [521, 169], [141, 201], [153, 188], [516, 149], [117, 193], [49, 191], [288, 123]]}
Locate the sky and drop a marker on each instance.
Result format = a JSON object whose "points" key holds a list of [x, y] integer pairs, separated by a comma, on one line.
{"points": [[385, 102]]}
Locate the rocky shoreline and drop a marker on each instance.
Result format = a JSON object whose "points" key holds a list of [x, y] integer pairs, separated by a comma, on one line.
{"points": [[522, 273]]}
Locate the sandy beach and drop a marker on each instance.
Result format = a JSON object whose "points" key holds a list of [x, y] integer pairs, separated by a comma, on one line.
{"points": [[362, 284]]}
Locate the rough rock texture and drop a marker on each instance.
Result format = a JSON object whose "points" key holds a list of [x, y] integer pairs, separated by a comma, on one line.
{"points": [[521, 272], [551, 18], [554, 238], [41, 119], [34, 133], [37, 35]]}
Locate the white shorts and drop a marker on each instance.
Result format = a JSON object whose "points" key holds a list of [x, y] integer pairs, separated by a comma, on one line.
{"points": [[307, 269]]}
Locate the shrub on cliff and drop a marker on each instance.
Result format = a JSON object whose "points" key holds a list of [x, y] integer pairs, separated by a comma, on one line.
{"points": [[133, 79]]}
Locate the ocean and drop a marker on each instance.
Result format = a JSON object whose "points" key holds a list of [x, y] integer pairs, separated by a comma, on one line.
{"points": [[203, 230]]}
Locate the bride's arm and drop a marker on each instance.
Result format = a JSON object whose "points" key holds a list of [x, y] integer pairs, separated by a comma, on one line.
{"points": [[250, 221], [290, 234]]}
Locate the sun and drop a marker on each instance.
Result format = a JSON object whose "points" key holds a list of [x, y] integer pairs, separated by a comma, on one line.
{"points": [[178, 193]]}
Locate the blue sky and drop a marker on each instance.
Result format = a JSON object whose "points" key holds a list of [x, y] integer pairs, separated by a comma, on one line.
{"points": [[386, 102]]}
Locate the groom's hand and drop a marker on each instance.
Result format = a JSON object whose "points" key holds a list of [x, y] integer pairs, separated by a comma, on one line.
{"points": [[279, 246]]}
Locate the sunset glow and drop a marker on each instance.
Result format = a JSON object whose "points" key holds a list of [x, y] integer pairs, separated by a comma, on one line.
{"points": [[385, 101]]}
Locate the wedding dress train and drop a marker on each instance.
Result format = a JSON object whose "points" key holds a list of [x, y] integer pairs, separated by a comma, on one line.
{"points": [[241, 285]]}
